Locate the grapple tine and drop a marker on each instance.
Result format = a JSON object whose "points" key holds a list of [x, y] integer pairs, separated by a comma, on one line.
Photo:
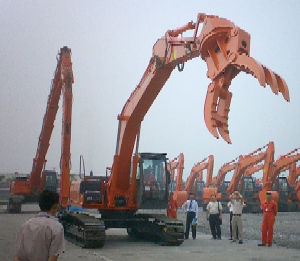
{"points": [[271, 80], [223, 111], [210, 105], [249, 65], [282, 86]]}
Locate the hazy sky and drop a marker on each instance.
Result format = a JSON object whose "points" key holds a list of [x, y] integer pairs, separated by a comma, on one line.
{"points": [[111, 44]]}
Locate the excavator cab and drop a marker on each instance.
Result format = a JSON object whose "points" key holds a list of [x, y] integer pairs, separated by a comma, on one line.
{"points": [[200, 185], [249, 190], [172, 186], [50, 180], [223, 189], [153, 181], [281, 185]]}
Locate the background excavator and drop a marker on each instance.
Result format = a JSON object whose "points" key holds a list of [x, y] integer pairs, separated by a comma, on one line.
{"points": [[175, 167], [219, 185], [279, 186], [225, 48], [194, 182], [246, 185], [27, 189]]}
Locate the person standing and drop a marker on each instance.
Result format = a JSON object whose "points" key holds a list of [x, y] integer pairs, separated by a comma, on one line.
{"points": [[41, 238], [172, 207], [191, 209], [269, 208], [214, 216], [229, 205], [237, 204]]}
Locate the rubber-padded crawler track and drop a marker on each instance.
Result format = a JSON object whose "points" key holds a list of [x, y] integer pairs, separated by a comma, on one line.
{"points": [[159, 228], [84, 230]]}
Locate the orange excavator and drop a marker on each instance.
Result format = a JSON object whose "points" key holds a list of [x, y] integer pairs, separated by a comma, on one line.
{"points": [[218, 182], [246, 184], [279, 185], [195, 183], [225, 48], [175, 167], [294, 173], [27, 189]]}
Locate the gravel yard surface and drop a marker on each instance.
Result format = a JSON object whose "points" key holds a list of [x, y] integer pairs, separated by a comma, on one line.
{"points": [[119, 246], [286, 228]]}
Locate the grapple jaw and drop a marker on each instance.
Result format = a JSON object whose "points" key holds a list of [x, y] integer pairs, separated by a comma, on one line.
{"points": [[225, 49]]}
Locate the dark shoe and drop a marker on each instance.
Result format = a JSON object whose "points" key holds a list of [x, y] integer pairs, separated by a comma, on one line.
{"points": [[233, 241], [230, 238], [194, 238], [261, 245], [241, 242], [219, 238]]}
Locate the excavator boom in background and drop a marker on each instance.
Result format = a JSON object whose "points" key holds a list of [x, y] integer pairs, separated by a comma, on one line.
{"points": [[246, 184], [195, 185], [225, 48], [26, 189], [279, 186], [175, 167]]}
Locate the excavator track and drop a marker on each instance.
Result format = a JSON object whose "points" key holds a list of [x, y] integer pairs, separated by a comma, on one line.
{"points": [[157, 227], [83, 229]]}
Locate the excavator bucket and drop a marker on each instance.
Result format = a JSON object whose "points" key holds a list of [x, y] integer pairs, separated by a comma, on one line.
{"points": [[226, 50]]}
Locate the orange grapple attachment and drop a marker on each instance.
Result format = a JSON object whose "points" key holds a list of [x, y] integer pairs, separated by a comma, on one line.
{"points": [[216, 108], [225, 49]]}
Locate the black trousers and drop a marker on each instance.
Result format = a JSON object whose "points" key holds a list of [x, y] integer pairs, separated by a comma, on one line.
{"points": [[214, 223], [237, 230], [189, 218], [231, 224]]}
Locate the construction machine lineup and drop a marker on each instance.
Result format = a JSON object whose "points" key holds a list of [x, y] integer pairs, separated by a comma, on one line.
{"points": [[144, 180]]}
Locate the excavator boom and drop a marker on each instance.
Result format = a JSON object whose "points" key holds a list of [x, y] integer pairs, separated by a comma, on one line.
{"points": [[250, 160], [61, 84], [135, 178], [225, 48]]}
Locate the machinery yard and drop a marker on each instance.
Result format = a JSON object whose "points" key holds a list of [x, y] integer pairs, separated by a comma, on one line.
{"points": [[120, 247], [150, 170]]}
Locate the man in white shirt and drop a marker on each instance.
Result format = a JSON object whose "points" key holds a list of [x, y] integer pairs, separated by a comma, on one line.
{"points": [[229, 205], [191, 208], [41, 238], [237, 204], [214, 215]]}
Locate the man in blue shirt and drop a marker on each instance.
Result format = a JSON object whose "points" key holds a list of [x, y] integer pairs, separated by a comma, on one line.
{"points": [[191, 209]]}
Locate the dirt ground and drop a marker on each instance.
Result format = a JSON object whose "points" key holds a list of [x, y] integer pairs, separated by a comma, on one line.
{"points": [[119, 246]]}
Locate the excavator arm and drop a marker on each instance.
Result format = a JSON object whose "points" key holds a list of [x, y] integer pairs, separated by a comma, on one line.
{"points": [[177, 164], [282, 164], [219, 179], [225, 48], [249, 160], [208, 164], [61, 84], [251, 170]]}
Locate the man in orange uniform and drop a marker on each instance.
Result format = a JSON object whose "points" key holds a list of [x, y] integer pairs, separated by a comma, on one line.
{"points": [[172, 207], [269, 208]]}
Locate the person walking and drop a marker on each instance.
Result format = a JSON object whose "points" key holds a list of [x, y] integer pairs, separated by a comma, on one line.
{"points": [[269, 208], [237, 203], [214, 216], [191, 209], [172, 207], [41, 238]]}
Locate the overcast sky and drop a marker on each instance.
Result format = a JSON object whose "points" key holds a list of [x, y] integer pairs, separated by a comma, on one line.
{"points": [[111, 44]]}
